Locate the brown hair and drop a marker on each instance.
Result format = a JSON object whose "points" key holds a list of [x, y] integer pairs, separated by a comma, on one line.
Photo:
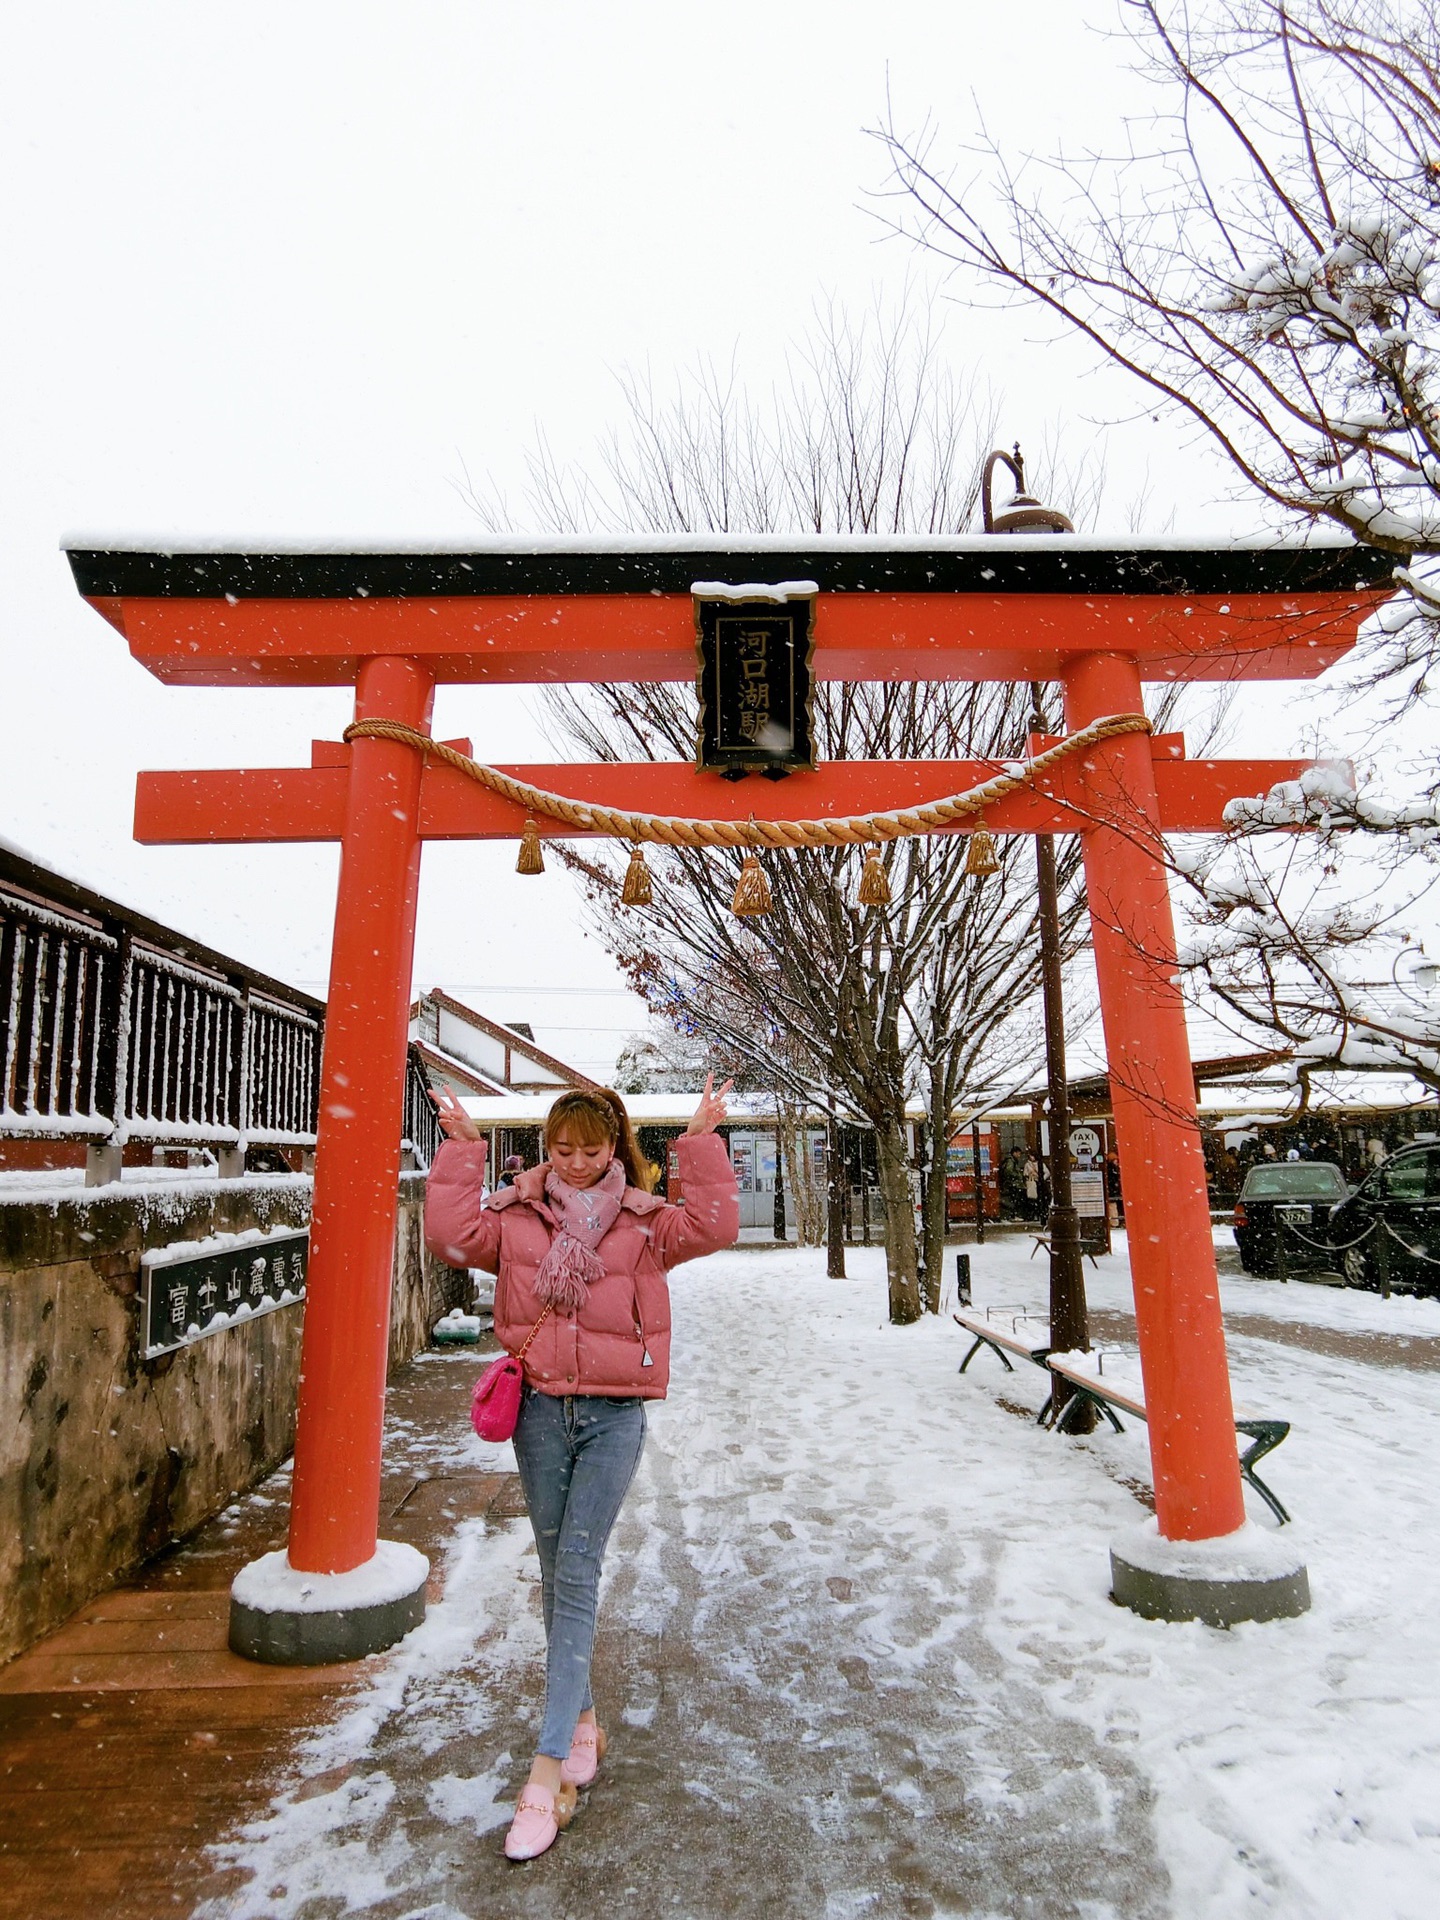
{"points": [[591, 1116]]}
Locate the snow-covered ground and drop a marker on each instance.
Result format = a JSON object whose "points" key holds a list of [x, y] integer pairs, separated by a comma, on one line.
{"points": [[858, 1655]]}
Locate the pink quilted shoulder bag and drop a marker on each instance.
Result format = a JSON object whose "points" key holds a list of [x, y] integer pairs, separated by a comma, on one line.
{"points": [[495, 1403]]}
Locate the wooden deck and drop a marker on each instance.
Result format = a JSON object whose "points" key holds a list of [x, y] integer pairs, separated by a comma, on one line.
{"points": [[132, 1739]]}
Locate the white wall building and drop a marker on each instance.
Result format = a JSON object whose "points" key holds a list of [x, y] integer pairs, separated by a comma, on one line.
{"points": [[471, 1054]]}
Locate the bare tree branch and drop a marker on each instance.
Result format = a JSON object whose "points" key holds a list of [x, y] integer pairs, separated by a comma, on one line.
{"points": [[1268, 268], [822, 999]]}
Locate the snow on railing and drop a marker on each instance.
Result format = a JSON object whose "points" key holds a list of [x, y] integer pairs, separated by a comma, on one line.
{"points": [[107, 1036], [420, 1128], [58, 975]]}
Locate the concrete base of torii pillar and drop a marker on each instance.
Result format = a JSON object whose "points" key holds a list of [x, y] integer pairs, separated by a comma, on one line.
{"points": [[1250, 1575], [292, 1619]]}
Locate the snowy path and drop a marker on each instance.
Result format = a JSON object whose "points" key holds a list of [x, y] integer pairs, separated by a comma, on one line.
{"points": [[858, 1655]]}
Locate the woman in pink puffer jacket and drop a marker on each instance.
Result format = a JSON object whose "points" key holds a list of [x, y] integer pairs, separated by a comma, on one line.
{"points": [[581, 1248]]}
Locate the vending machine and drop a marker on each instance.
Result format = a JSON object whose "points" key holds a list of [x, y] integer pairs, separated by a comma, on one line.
{"points": [[960, 1174]]}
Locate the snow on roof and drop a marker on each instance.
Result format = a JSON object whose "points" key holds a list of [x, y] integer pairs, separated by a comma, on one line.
{"points": [[645, 1109], [174, 541], [1334, 1094], [521, 1043]]}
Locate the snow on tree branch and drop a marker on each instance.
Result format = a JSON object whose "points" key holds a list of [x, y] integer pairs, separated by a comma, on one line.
{"points": [[1298, 938], [1325, 798]]}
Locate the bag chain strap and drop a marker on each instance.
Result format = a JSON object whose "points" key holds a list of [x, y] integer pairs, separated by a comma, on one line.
{"points": [[534, 1330]]}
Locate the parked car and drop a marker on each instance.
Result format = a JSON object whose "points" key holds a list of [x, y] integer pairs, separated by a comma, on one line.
{"points": [[1297, 1197], [1387, 1234]]}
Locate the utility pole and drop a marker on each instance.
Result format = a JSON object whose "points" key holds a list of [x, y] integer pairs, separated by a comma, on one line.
{"points": [[779, 1215]]}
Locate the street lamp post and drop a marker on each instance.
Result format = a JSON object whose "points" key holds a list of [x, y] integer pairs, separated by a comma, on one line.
{"points": [[1069, 1327]]}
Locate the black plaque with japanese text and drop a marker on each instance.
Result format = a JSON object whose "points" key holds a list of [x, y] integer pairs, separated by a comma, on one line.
{"points": [[754, 683], [185, 1298]]}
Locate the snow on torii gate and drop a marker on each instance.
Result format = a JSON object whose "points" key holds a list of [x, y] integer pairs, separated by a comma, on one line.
{"points": [[1099, 619]]}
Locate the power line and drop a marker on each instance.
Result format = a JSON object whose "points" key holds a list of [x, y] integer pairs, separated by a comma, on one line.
{"points": [[476, 986], [482, 986], [590, 1026]]}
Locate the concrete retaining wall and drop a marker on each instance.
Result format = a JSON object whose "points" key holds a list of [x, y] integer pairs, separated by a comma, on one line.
{"points": [[105, 1457]]}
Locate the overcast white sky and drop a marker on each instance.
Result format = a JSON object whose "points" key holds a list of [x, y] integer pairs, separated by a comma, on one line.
{"points": [[291, 270]]}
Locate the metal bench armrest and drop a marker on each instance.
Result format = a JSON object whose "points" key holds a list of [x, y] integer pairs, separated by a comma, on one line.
{"points": [[1265, 1436], [1081, 1395], [981, 1341]]}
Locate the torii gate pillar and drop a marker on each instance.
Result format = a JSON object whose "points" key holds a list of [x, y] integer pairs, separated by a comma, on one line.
{"points": [[334, 1507], [1167, 1209], [1198, 1494], [357, 1160]]}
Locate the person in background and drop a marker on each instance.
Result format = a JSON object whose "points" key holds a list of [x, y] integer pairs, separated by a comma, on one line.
{"points": [[581, 1247], [1114, 1199], [513, 1165], [1012, 1185]]}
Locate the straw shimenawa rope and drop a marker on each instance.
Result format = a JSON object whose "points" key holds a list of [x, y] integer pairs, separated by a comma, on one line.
{"points": [[865, 829]]}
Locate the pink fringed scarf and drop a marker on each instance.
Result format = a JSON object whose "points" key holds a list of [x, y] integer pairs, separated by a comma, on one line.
{"points": [[585, 1215]]}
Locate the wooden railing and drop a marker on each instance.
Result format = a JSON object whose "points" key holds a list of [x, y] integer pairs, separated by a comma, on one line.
{"points": [[420, 1130], [113, 1029], [116, 1029], [59, 1000]]}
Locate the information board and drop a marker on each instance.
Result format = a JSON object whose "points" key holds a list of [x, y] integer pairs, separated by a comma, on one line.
{"points": [[1087, 1191]]}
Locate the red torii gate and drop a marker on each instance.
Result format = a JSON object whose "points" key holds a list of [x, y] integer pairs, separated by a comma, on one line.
{"points": [[1099, 619]]}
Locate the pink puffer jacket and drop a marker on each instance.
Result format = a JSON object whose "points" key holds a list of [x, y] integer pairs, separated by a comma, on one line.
{"points": [[619, 1341]]}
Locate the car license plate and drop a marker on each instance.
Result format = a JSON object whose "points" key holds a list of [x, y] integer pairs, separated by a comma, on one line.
{"points": [[1295, 1216]]}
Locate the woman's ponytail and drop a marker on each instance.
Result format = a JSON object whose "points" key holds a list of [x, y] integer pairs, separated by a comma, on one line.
{"points": [[627, 1147]]}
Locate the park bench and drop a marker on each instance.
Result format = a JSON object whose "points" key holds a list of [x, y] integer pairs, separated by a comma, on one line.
{"points": [[1006, 1331], [1042, 1244], [1121, 1389]]}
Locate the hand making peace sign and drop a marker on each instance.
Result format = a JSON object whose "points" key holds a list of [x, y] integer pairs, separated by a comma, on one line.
{"points": [[455, 1123], [711, 1110]]}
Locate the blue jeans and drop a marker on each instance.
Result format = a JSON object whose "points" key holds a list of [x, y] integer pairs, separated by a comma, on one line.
{"points": [[577, 1457]]}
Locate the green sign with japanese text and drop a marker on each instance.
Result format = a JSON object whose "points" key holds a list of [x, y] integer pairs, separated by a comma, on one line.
{"points": [[184, 1297]]}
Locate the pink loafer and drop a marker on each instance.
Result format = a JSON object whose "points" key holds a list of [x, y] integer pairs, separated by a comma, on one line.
{"points": [[537, 1821], [587, 1750]]}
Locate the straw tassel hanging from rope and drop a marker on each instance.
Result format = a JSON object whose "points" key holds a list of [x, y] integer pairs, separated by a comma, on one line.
{"points": [[752, 889], [531, 859], [874, 888], [980, 856], [636, 891]]}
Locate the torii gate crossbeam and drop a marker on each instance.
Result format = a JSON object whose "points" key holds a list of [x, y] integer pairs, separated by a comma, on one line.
{"points": [[1101, 620]]}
